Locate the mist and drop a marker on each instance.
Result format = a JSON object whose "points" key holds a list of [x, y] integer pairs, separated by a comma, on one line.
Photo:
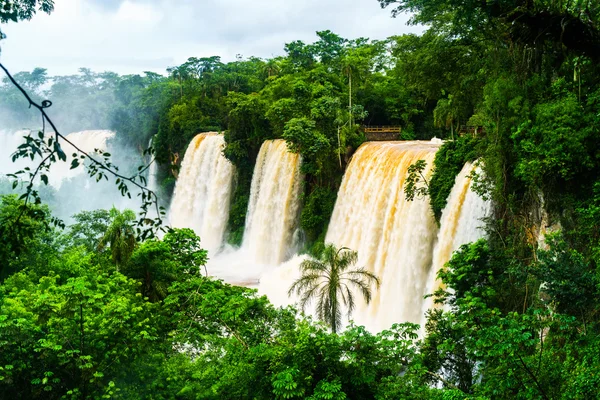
{"points": [[70, 191], [82, 108]]}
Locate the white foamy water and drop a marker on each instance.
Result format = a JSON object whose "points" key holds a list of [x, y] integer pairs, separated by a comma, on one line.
{"points": [[271, 221], [152, 183], [396, 239], [203, 191], [274, 204]]}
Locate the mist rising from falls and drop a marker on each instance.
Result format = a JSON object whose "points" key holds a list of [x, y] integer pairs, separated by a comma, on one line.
{"points": [[71, 190], [203, 191], [272, 216], [88, 141], [9, 141]]}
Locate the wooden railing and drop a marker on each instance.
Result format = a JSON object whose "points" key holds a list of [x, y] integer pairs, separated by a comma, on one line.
{"points": [[376, 129], [380, 133]]}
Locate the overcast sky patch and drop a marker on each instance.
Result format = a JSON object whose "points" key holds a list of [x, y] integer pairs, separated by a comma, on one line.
{"points": [[131, 36]]}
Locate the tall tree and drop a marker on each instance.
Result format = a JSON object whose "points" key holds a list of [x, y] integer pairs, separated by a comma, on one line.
{"points": [[120, 236], [329, 279]]}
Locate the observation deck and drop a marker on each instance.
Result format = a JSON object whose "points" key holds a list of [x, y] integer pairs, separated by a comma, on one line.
{"points": [[381, 133]]}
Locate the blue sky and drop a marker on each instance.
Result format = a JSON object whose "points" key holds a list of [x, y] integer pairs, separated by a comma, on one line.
{"points": [[131, 36]]}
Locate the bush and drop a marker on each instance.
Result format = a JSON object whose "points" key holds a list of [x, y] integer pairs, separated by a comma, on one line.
{"points": [[449, 160], [317, 212]]}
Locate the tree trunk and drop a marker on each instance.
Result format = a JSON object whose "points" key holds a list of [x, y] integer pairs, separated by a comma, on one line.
{"points": [[350, 96]]}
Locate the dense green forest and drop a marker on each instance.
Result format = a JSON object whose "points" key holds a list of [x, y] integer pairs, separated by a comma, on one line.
{"points": [[89, 312]]}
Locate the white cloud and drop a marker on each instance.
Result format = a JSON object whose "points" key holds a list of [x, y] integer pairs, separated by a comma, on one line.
{"points": [[130, 12], [135, 35]]}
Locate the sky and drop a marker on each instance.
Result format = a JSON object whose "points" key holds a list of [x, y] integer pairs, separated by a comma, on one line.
{"points": [[132, 36]]}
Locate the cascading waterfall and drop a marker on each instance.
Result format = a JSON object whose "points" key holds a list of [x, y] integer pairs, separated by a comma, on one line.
{"points": [[395, 238], [203, 191], [461, 223], [152, 183], [271, 220], [274, 204]]}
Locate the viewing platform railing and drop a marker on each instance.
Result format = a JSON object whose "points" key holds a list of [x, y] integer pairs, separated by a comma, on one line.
{"points": [[381, 133]]}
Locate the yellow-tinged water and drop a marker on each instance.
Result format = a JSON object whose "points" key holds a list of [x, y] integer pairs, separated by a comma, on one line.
{"points": [[396, 239], [271, 221], [461, 222]]}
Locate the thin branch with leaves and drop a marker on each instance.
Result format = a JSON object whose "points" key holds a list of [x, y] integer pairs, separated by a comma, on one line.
{"points": [[48, 148], [414, 178]]}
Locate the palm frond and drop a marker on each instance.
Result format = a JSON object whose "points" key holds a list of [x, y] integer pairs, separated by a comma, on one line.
{"points": [[363, 287], [329, 281], [323, 309], [360, 273], [346, 258], [348, 298], [313, 265], [303, 283], [307, 296]]}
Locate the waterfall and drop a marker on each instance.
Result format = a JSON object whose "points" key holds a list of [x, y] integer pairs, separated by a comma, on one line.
{"points": [[274, 204], [396, 239], [271, 220], [203, 191], [152, 183], [461, 223]]}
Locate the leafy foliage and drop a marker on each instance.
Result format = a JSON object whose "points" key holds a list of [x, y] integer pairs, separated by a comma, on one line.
{"points": [[22, 10], [449, 160], [119, 236], [517, 318]]}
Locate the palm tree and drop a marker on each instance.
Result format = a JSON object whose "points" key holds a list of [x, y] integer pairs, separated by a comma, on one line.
{"points": [[120, 236], [329, 279]]}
